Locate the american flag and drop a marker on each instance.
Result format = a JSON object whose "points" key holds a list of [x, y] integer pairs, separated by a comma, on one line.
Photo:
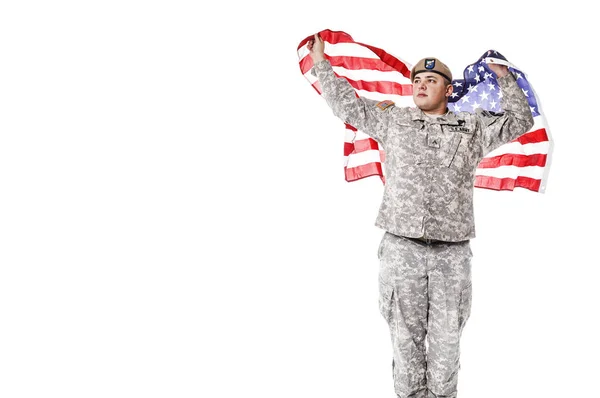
{"points": [[378, 75]]}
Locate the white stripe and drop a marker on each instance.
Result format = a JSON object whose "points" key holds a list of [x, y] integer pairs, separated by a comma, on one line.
{"points": [[303, 52], [341, 50], [357, 50], [362, 158], [351, 137], [539, 122], [520, 149], [535, 172], [311, 79], [349, 50], [399, 100]]}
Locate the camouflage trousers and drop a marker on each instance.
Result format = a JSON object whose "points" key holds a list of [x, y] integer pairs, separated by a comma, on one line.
{"points": [[425, 297]]}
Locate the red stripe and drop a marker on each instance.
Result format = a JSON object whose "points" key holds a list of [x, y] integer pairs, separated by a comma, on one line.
{"points": [[342, 37], [507, 184], [359, 63], [365, 145], [381, 87], [533, 137], [363, 171], [391, 61], [306, 64], [360, 146], [335, 37], [511, 159], [348, 62], [317, 86], [348, 148], [384, 87]]}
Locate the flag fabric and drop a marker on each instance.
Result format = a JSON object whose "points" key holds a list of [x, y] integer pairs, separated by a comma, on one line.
{"points": [[378, 75]]}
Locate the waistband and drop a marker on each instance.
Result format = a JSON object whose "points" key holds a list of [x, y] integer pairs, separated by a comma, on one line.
{"points": [[431, 242]]}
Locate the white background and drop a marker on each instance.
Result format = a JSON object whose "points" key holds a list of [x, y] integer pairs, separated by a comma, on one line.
{"points": [[174, 220]]}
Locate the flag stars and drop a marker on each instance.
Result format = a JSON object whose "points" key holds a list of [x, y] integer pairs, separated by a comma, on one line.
{"points": [[475, 105], [526, 92], [519, 76], [532, 109], [456, 108], [481, 68], [454, 95], [472, 88], [499, 94], [477, 78], [457, 84], [465, 99], [491, 86], [487, 75], [493, 104], [470, 68], [483, 96]]}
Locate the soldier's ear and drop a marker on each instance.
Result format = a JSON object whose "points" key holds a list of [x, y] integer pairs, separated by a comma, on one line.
{"points": [[449, 90]]}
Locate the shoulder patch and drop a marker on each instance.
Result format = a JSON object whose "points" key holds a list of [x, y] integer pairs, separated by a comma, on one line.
{"points": [[383, 105]]}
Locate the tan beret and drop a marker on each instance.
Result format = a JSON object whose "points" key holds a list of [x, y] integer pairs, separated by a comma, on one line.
{"points": [[431, 65]]}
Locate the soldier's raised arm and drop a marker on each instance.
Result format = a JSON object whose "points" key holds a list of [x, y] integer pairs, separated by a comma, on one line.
{"points": [[362, 113], [516, 117]]}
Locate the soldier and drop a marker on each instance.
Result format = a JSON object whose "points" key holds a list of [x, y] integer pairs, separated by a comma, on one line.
{"points": [[426, 211]]}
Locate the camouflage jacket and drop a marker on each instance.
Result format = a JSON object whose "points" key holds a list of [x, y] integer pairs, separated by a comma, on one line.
{"points": [[430, 162]]}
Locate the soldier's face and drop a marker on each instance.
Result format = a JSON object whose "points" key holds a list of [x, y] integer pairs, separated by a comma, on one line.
{"points": [[430, 92]]}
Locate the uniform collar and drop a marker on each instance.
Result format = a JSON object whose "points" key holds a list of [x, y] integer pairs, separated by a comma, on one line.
{"points": [[447, 118]]}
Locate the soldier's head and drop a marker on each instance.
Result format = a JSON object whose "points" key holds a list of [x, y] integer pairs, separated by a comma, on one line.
{"points": [[432, 85]]}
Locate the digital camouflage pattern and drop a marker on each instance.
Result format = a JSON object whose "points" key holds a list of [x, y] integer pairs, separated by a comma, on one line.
{"points": [[425, 295], [430, 162], [425, 289]]}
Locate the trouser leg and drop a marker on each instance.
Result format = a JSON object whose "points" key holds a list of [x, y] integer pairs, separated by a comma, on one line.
{"points": [[449, 290], [403, 303]]}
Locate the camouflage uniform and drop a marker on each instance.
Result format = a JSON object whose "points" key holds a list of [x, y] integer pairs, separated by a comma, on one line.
{"points": [[425, 285]]}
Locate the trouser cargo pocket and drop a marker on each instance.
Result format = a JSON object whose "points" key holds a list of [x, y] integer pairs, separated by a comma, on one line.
{"points": [[386, 295], [464, 309]]}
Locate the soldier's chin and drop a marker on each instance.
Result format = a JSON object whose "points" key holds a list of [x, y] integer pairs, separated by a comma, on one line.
{"points": [[420, 103]]}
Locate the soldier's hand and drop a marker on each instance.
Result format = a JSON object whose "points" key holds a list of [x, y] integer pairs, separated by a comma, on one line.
{"points": [[498, 69], [316, 47]]}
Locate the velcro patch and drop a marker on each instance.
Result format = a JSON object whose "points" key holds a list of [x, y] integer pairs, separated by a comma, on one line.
{"points": [[383, 105], [491, 114], [458, 129], [434, 142]]}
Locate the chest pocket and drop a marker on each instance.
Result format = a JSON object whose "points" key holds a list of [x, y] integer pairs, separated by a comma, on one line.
{"points": [[447, 147], [404, 147], [459, 146]]}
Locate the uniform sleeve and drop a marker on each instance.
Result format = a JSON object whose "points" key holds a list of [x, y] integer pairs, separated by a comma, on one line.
{"points": [[515, 119], [362, 113]]}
